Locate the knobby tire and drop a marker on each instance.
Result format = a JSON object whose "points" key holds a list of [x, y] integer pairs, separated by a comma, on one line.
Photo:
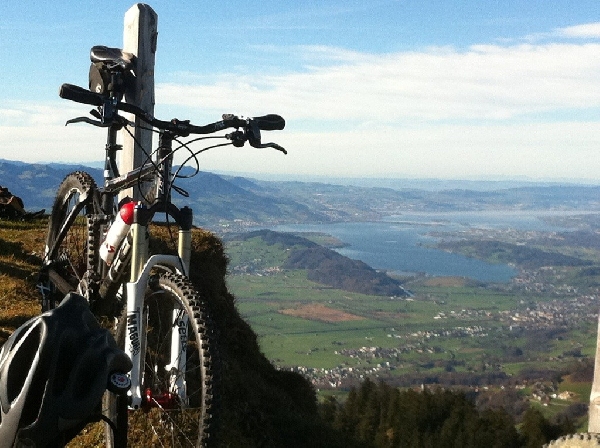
{"points": [[191, 424]]}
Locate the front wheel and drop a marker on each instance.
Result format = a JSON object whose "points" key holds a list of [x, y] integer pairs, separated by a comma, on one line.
{"points": [[180, 374]]}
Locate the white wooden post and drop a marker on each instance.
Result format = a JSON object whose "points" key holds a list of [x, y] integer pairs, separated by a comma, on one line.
{"points": [[594, 408], [139, 37]]}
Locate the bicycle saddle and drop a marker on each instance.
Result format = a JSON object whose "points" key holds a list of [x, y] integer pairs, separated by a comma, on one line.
{"points": [[112, 57]]}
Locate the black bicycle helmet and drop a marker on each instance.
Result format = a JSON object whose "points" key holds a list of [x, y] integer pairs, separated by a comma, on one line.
{"points": [[54, 370]]}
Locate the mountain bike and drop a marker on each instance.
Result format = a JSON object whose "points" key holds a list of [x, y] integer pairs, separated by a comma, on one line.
{"points": [[99, 247]]}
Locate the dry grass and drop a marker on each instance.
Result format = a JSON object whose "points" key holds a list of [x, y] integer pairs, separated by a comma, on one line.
{"points": [[21, 247], [21, 251]]}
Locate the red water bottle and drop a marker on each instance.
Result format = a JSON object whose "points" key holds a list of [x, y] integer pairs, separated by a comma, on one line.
{"points": [[117, 231]]}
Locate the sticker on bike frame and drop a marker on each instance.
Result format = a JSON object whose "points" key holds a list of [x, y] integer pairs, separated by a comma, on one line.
{"points": [[133, 327]]}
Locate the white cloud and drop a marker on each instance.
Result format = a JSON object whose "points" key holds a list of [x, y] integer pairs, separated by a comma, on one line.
{"points": [[491, 110], [34, 132], [588, 30], [485, 82], [27, 113], [541, 150], [45, 143]]}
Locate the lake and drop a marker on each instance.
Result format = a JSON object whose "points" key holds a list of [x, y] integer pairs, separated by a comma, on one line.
{"points": [[400, 243]]}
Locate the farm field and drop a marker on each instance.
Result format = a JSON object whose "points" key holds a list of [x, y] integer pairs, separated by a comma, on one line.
{"points": [[440, 330]]}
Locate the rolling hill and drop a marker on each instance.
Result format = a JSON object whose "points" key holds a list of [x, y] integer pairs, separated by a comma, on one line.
{"points": [[323, 265]]}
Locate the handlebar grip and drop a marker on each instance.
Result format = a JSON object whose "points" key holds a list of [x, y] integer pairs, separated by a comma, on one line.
{"points": [[80, 95], [271, 122]]}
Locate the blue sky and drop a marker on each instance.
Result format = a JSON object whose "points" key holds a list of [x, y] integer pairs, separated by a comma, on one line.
{"points": [[447, 89]]}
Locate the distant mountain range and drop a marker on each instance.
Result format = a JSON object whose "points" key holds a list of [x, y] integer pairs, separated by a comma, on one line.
{"points": [[237, 201]]}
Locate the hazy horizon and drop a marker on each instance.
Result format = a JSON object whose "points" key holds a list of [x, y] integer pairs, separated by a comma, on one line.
{"points": [[371, 181]]}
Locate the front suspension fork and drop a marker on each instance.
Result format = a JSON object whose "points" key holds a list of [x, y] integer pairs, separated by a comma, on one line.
{"points": [[141, 396]]}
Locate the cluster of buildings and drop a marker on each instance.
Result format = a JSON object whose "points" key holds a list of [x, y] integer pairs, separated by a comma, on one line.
{"points": [[382, 361]]}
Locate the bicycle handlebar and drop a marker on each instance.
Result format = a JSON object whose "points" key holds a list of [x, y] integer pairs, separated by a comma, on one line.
{"points": [[270, 122], [80, 95]]}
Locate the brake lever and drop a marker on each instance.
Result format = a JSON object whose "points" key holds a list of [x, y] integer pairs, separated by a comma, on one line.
{"points": [[238, 138], [271, 145], [88, 121]]}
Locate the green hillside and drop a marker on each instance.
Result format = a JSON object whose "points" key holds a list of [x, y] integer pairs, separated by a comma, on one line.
{"points": [[264, 249]]}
